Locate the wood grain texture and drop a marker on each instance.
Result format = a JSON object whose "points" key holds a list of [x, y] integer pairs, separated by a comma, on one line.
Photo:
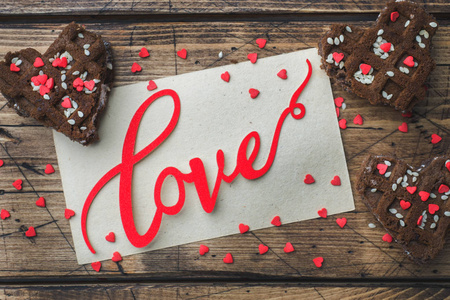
{"points": [[218, 291], [353, 252], [173, 7]]}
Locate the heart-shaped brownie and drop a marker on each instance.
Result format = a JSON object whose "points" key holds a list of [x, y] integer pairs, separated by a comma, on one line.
{"points": [[387, 63], [411, 203], [65, 88]]}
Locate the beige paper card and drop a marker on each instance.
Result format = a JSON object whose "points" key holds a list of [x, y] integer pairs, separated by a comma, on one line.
{"points": [[213, 115]]}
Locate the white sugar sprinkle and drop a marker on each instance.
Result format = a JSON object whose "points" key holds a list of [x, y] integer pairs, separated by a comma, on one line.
{"points": [[46, 97], [71, 121], [387, 175], [418, 39], [387, 163], [336, 41], [63, 77], [220, 54], [432, 195], [415, 174], [433, 24], [384, 94], [402, 223], [422, 45], [409, 172], [436, 218], [76, 73], [86, 46], [348, 28], [433, 225], [64, 85], [109, 66], [380, 32], [414, 179], [14, 60], [390, 73], [399, 215], [80, 114], [83, 128], [80, 35], [373, 190], [344, 106], [394, 187], [399, 180], [87, 53], [341, 38], [404, 184], [447, 214], [405, 178], [97, 81], [407, 23], [393, 211], [389, 96], [19, 62], [371, 225], [444, 197], [41, 72], [330, 41]]}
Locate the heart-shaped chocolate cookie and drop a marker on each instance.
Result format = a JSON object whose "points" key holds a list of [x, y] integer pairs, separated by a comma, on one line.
{"points": [[65, 88], [387, 63], [411, 203]]}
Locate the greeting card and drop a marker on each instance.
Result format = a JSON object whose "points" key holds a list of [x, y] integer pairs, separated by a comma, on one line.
{"points": [[204, 152]]}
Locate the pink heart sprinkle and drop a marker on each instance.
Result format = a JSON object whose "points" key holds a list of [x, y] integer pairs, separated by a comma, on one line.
{"points": [[134, 68], [243, 228], [4, 214], [341, 222], [343, 124], [409, 61], [322, 213], [182, 53], [387, 238], [228, 259], [358, 120], [435, 138], [40, 202], [151, 85], [203, 250], [338, 101], [336, 181], [49, 169], [403, 128], [225, 76], [276, 221], [38, 62], [110, 237], [261, 43], [96, 266], [432, 208], [253, 93], [318, 261], [309, 179], [382, 168], [405, 204], [288, 248], [338, 57], [365, 68], [282, 74], [68, 213], [394, 16], [253, 57], [263, 249], [411, 189], [116, 257], [386, 47], [144, 52]]}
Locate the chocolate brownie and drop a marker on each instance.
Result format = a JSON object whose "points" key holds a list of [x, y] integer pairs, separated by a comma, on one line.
{"points": [[411, 203], [387, 63], [65, 88]]}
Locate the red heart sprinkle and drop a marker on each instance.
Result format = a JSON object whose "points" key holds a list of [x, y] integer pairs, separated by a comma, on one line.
{"points": [[151, 85], [338, 101], [411, 189], [424, 195], [116, 257], [358, 120], [447, 165], [323, 212], [341, 222], [253, 57], [14, 68], [443, 188], [182, 53], [385, 47], [49, 169], [403, 127], [309, 179], [35, 80], [338, 57], [50, 83], [40, 202], [56, 62], [18, 184], [288, 248], [4, 214], [365, 68], [407, 114], [261, 43], [96, 266], [63, 62], [387, 238], [228, 259], [144, 52], [337, 112], [419, 220], [382, 168], [225, 76], [253, 93], [78, 84], [409, 61], [276, 221], [110, 237], [336, 181], [89, 84], [66, 103], [432, 208], [243, 228], [263, 249], [1, 162], [282, 74], [68, 213], [136, 67], [38, 62], [318, 261], [435, 138], [43, 90], [42, 79], [405, 204], [30, 232], [394, 16], [203, 249], [343, 123]]}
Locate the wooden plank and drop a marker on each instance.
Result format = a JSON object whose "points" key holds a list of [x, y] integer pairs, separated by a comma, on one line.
{"points": [[353, 252], [218, 291], [174, 7]]}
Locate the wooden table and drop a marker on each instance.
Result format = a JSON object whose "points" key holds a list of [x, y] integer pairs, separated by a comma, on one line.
{"points": [[358, 264]]}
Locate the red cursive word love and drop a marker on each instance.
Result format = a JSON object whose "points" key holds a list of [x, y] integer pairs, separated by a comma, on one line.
{"points": [[244, 166]]}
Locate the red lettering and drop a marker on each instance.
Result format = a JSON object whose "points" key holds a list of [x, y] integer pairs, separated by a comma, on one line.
{"points": [[244, 166]]}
